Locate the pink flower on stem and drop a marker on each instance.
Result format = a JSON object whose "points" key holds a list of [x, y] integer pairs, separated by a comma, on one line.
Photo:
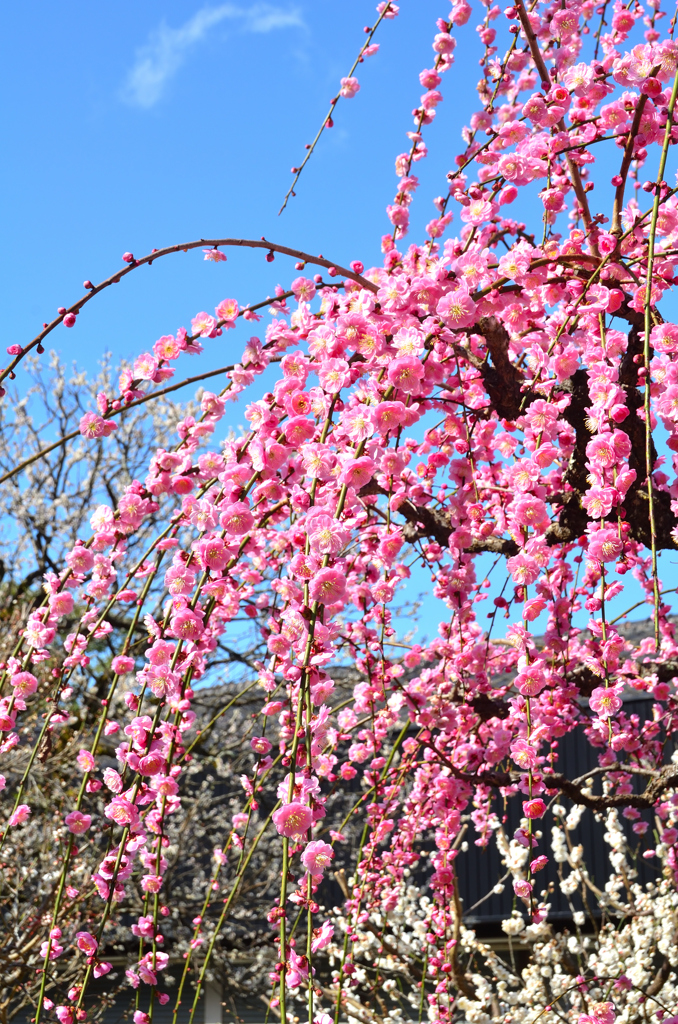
{"points": [[388, 416], [80, 559], [214, 255], [524, 755], [534, 808], [328, 586], [349, 87], [605, 701], [605, 545], [260, 745], [87, 943], [602, 1013], [86, 761], [530, 681], [522, 888], [186, 625], [203, 325], [20, 815], [55, 949], [152, 764], [598, 501], [303, 567], [151, 883], [304, 290], [398, 215], [228, 310], [24, 683], [457, 309], [607, 243], [529, 512], [524, 569], [317, 856], [358, 423], [121, 811], [112, 780], [93, 426], [533, 608], [237, 519], [429, 78], [322, 936], [145, 367], [122, 664], [297, 969], [444, 43], [61, 604], [358, 472], [600, 451], [326, 535], [213, 553], [507, 195], [293, 820], [299, 429], [436, 227], [334, 374], [77, 822], [664, 338], [406, 374], [478, 211]]}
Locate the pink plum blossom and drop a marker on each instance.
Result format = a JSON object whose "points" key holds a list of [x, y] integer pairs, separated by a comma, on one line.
{"points": [[405, 373], [77, 822], [317, 857], [524, 755], [19, 816], [605, 701], [328, 586], [349, 87], [293, 820], [203, 325], [457, 309], [93, 426]]}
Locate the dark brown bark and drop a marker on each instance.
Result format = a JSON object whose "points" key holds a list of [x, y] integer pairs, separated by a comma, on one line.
{"points": [[664, 779], [503, 383]]}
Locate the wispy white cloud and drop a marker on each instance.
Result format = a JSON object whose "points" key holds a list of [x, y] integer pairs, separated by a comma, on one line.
{"points": [[160, 59]]}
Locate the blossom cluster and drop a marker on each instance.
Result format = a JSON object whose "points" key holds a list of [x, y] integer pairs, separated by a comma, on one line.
{"points": [[498, 395]]}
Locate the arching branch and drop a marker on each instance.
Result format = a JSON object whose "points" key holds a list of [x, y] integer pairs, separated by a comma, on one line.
{"points": [[212, 243]]}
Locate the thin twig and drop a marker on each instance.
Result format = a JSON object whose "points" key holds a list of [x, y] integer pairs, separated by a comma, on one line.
{"points": [[546, 82], [649, 467], [328, 116], [146, 398], [212, 243]]}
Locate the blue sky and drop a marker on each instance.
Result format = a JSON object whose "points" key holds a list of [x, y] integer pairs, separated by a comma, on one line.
{"points": [[131, 126]]}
